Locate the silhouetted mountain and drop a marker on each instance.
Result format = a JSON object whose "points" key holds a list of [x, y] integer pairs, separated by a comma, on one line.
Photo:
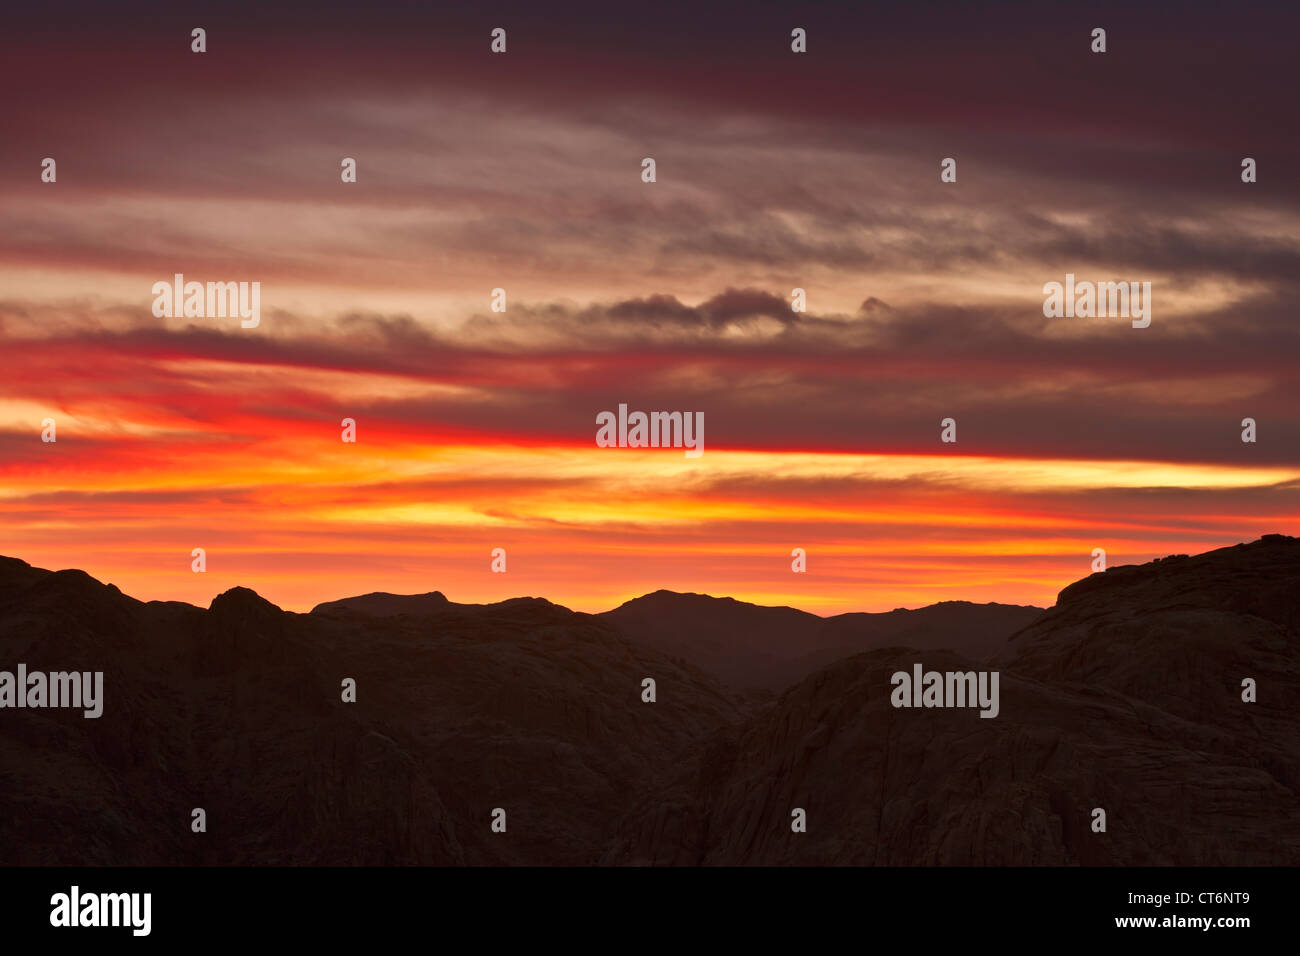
{"points": [[383, 604], [460, 709], [1127, 695], [748, 645]]}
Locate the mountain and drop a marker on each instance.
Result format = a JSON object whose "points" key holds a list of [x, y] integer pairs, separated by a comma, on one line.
{"points": [[1125, 696], [750, 646], [237, 709], [382, 604]]}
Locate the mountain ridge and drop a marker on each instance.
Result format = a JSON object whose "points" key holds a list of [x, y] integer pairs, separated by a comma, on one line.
{"points": [[1126, 696]]}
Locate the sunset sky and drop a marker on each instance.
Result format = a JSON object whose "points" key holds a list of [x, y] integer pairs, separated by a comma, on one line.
{"points": [[523, 171]]}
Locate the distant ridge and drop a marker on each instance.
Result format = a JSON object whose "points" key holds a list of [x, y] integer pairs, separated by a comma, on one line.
{"points": [[751, 646], [383, 604], [1127, 695]]}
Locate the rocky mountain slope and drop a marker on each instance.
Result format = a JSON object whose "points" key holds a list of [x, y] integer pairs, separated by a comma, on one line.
{"points": [[237, 709], [1126, 696], [770, 648]]}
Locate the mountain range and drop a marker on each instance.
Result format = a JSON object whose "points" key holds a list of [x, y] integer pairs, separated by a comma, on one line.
{"points": [[1125, 696]]}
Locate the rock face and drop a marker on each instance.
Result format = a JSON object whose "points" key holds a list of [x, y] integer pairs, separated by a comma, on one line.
{"points": [[770, 648], [1126, 696], [237, 709]]}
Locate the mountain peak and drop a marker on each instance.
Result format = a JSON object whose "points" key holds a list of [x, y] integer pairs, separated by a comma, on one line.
{"points": [[683, 600], [242, 601], [1205, 577], [385, 604], [12, 564]]}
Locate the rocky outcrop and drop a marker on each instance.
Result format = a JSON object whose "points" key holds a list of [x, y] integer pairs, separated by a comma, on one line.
{"points": [[522, 705], [769, 648], [1126, 696]]}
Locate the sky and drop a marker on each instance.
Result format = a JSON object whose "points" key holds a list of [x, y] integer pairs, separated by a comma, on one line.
{"points": [[522, 171]]}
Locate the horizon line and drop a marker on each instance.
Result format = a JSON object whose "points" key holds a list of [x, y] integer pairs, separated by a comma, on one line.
{"points": [[715, 597]]}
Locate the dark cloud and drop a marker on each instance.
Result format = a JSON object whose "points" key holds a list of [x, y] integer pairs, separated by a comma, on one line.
{"points": [[1019, 385]]}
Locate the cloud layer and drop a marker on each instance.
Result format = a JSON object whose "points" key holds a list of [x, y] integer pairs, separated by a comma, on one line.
{"points": [[522, 172]]}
